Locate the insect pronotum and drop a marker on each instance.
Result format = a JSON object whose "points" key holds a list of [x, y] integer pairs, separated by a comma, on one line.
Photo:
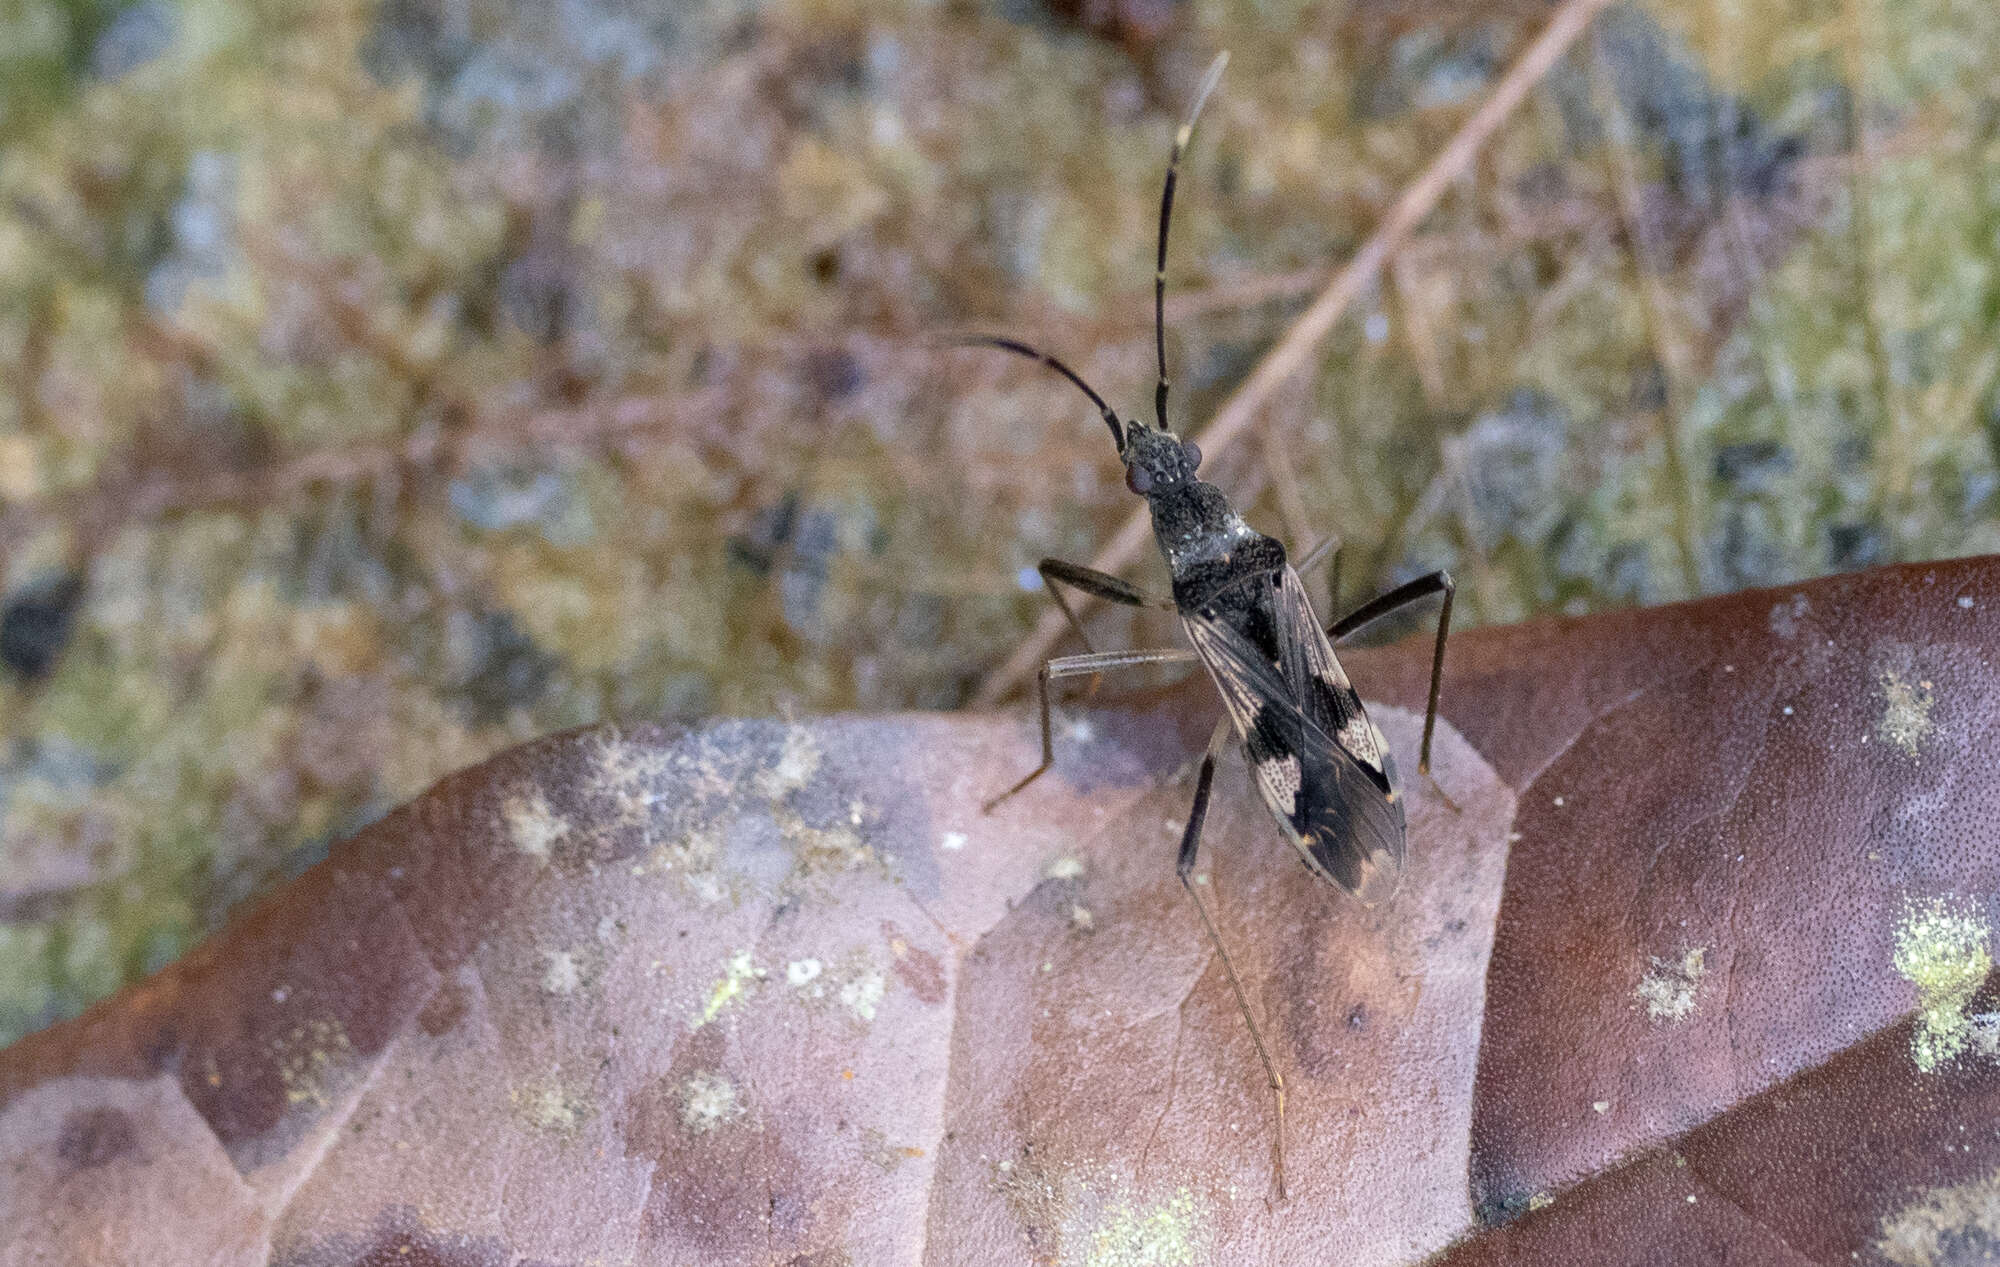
{"points": [[1321, 765]]}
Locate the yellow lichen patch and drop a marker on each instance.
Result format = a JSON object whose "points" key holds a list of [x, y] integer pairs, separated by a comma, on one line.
{"points": [[552, 1105], [736, 978], [1942, 948], [824, 850], [708, 1100], [1163, 1235], [531, 826], [632, 775], [308, 1057], [1906, 711], [1942, 1225], [886, 1156], [861, 993], [696, 857], [798, 760], [1668, 989]]}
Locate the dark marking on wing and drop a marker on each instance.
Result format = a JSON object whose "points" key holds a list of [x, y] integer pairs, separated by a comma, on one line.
{"points": [[1347, 828], [1320, 685]]}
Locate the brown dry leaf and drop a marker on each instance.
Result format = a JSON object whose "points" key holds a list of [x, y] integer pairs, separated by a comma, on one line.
{"points": [[1719, 989]]}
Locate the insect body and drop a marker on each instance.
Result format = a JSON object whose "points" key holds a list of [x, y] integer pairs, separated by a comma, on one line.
{"points": [[1320, 764]]}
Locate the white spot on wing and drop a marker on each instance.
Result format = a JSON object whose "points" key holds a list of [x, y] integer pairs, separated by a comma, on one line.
{"points": [[1360, 737], [1281, 782]]}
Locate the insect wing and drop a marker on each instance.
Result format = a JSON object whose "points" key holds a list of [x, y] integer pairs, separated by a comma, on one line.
{"points": [[1321, 687], [1347, 829]]}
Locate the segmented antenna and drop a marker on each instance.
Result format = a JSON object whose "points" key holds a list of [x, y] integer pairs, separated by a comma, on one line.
{"points": [[1208, 83], [1036, 354]]}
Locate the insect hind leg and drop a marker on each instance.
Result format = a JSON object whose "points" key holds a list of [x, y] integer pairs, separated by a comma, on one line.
{"points": [[1438, 582], [1184, 868], [1327, 549], [1076, 666]]}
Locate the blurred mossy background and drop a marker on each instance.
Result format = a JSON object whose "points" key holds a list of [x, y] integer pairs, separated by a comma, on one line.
{"points": [[386, 382]]}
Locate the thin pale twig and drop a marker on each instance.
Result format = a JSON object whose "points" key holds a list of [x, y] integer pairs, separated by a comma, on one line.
{"points": [[1295, 350]]}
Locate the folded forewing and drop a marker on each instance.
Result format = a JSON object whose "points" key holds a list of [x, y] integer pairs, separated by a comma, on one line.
{"points": [[1347, 827]]}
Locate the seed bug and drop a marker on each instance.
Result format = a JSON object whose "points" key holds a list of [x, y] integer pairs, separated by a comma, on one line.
{"points": [[1322, 767]]}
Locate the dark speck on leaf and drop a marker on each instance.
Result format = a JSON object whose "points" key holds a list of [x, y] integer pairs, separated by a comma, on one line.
{"points": [[95, 1137], [35, 624], [445, 1009]]}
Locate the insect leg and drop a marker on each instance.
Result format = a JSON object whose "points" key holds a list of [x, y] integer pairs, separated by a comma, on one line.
{"points": [[1076, 666], [1184, 867], [1095, 583], [1438, 582], [1311, 561], [1191, 834]]}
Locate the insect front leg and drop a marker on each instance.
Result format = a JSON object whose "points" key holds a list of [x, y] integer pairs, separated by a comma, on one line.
{"points": [[1098, 584], [1076, 666], [1184, 867], [1438, 582], [1093, 582]]}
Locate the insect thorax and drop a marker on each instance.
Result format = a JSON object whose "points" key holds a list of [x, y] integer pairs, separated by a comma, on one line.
{"points": [[1208, 548]]}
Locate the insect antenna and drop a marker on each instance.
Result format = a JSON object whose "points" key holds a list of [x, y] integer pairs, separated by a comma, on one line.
{"points": [[1181, 138], [1036, 354]]}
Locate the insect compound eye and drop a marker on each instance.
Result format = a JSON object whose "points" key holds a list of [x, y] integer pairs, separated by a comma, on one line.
{"points": [[1192, 452], [1138, 479]]}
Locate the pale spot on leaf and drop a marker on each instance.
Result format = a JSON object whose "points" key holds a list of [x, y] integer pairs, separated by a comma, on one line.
{"points": [[1942, 948], [1669, 986], [708, 1101], [531, 826]]}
